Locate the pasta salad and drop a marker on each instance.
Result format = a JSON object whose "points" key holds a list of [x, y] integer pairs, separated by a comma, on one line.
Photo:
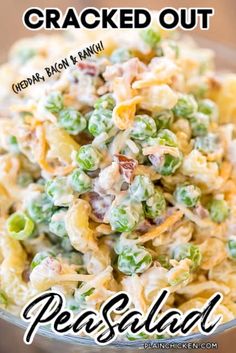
{"points": [[118, 173]]}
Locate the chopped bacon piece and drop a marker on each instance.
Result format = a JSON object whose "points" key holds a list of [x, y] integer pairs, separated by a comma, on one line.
{"points": [[159, 220], [127, 166], [214, 82], [201, 211], [26, 275], [88, 68], [144, 226], [99, 204]]}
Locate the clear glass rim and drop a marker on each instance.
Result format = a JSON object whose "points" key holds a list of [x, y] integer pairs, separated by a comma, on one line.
{"points": [[228, 53], [87, 341]]}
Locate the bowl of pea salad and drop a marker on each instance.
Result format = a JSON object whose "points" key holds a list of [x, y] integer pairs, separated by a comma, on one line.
{"points": [[118, 174]]}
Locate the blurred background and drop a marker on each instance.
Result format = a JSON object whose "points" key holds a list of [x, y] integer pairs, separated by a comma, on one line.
{"points": [[222, 30]]}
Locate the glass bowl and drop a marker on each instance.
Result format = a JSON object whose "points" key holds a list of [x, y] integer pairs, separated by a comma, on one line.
{"points": [[47, 341]]}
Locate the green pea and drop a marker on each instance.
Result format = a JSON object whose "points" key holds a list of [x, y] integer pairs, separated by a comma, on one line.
{"points": [[23, 115], [166, 164], [164, 260], [124, 242], [54, 102], [88, 158], [80, 297], [208, 107], [199, 124], [80, 181], [208, 144], [72, 305], [134, 260], [219, 210], [20, 226], [72, 121], [120, 55], [57, 223], [74, 258], [151, 37], [41, 181], [186, 106], [13, 144], [3, 298], [164, 119], [141, 188], [188, 251], [40, 208], [65, 244], [173, 45], [24, 179], [204, 67], [25, 54], [59, 191], [232, 248], [100, 121], [187, 195], [167, 138], [39, 257], [144, 126], [125, 217], [106, 102], [199, 90], [155, 205]]}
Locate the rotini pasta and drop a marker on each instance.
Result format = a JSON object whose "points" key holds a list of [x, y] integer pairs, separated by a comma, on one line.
{"points": [[118, 173]]}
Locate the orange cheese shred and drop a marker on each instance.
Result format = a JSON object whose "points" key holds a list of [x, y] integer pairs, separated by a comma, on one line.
{"points": [[155, 232]]}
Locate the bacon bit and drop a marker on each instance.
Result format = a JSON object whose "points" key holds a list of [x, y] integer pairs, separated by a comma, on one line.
{"points": [[88, 68], [201, 211], [126, 166], [214, 83], [144, 226], [26, 275], [99, 205], [83, 138], [159, 220]]}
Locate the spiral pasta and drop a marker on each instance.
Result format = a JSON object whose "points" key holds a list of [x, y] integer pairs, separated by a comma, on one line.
{"points": [[118, 173]]}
